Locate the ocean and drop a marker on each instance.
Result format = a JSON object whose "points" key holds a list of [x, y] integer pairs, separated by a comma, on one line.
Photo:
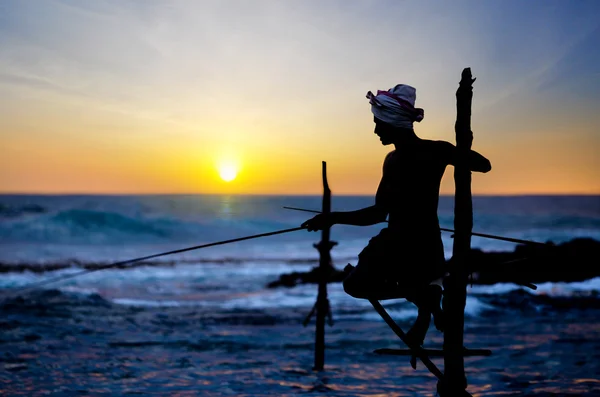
{"points": [[203, 322]]}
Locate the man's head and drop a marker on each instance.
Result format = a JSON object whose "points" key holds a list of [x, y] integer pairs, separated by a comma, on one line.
{"points": [[384, 131], [394, 111], [389, 134]]}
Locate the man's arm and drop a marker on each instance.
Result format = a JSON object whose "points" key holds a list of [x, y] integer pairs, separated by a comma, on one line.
{"points": [[364, 217], [476, 161]]}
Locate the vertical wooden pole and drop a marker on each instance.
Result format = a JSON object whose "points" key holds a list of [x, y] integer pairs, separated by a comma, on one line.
{"points": [[455, 286], [324, 248]]}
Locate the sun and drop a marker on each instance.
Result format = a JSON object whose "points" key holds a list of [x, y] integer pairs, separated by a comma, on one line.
{"points": [[228, 171]]}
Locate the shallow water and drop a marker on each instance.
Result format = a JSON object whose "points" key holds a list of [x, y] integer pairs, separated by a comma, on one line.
{"points": [[203, 324], [66, 344]]}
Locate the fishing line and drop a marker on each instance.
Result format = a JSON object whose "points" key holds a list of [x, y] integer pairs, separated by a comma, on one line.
{"points": [[490, 236], [509, 239], [130, 261]]}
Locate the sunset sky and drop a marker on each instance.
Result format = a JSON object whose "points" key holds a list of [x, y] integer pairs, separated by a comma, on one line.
{"points": [[151, 96]]}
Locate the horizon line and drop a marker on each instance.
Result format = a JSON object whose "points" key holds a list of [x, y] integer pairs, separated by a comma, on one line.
{"points": [[282, 194]]}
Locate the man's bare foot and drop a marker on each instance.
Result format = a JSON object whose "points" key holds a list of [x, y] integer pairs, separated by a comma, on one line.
{"points": [[414, 338]]}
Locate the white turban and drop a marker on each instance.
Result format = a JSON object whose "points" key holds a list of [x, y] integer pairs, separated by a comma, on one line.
{"points": [[396, 106]]}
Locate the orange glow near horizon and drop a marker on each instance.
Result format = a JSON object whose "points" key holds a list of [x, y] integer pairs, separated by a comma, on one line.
{"points": [[111, 99], [182, 171], [34, 162]]}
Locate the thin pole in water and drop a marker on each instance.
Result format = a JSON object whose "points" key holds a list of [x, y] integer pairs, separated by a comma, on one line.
{"points": [[322, 304]]}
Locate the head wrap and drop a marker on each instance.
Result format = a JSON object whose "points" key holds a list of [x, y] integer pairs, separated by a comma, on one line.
{"points": [[396, 106]]}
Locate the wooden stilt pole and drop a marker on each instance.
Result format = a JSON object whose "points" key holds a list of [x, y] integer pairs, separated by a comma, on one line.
{"points": [[322, 305], [455, 286]]}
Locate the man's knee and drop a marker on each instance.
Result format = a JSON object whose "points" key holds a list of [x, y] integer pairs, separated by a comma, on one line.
{"points": [[349, 286], [354, 287], [427, 298]]}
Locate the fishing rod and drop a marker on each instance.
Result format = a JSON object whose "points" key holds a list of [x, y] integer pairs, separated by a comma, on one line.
{"points": [[178, 251], [512, 240], [143, 258], [490, 236]]}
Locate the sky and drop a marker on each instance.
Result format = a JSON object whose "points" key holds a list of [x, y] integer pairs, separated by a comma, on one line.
{"points": [[144, 97]]}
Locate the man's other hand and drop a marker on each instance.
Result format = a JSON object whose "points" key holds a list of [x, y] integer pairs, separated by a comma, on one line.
{"points": [[319, 222]]}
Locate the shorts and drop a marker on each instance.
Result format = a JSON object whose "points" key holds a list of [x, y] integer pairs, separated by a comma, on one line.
{"points": [[405, 262]]}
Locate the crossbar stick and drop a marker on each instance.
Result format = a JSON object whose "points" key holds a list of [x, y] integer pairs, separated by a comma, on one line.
{"points": [[131, 261], [434, 352], [417, 350]]}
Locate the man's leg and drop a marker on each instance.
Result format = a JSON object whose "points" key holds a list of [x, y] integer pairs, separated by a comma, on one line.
{"points": [[368, 280], [363, 283], [418, 331], [427, 300], [360, 282], [428, 297]]}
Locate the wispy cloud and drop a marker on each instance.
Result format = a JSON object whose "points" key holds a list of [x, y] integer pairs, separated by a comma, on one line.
{"points": [[248, 69]]}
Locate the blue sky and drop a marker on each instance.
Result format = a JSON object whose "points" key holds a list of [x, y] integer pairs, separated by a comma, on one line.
{"points": [[147, 96]]}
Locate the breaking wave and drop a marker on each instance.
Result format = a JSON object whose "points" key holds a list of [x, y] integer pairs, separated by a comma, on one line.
{"points": [[13, 211]]}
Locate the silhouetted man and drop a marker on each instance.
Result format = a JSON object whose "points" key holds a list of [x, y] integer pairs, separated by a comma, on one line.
{"points": [[406, 259]]}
